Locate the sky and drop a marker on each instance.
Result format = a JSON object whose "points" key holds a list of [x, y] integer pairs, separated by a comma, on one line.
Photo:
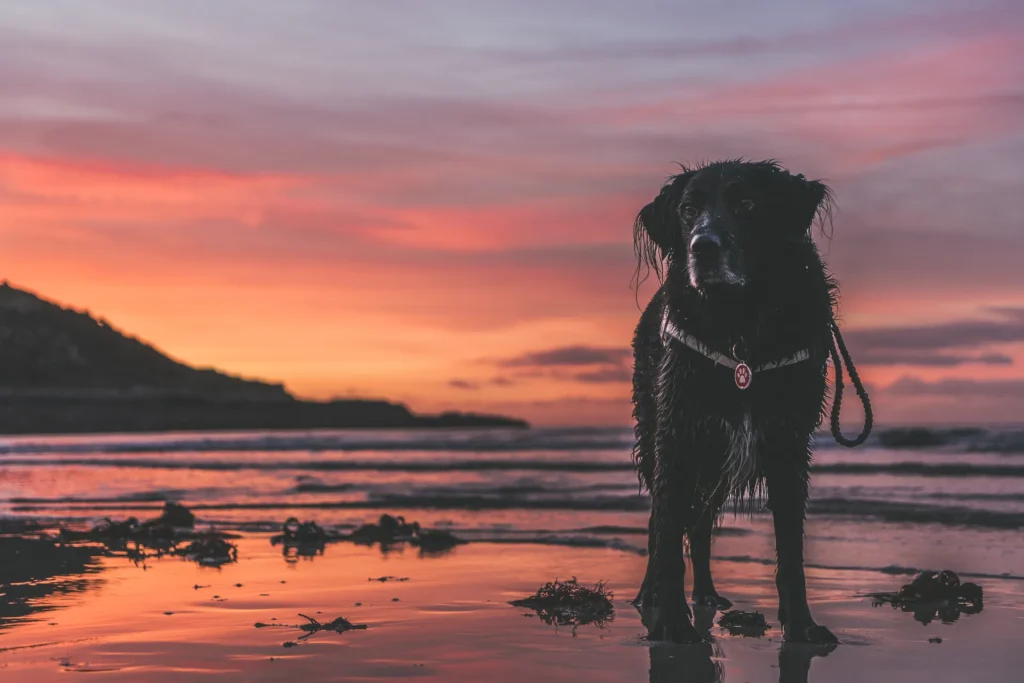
{"points": [[433, 202]]}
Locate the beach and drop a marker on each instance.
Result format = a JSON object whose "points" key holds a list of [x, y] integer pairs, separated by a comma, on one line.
{"points": [[533, 506]]}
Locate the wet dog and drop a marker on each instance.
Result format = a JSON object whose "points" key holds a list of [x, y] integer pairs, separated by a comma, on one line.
{"points": [[729, 383]]}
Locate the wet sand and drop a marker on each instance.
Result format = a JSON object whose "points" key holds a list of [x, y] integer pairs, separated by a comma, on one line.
{"points": [[451, 622]]}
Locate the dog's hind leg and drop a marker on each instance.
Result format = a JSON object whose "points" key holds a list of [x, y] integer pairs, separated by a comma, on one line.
{"points": [[704, 593], [787, 498]]}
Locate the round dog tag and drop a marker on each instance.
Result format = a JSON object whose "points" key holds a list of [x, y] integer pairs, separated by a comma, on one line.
{"points": [[743, 376]]}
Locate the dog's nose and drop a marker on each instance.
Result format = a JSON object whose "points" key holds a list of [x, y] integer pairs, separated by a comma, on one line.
{"points": [[705, 246]]}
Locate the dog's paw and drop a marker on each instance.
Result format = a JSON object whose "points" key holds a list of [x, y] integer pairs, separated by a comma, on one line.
{"points": [[809, 633], [668, 616], [711, 600]]}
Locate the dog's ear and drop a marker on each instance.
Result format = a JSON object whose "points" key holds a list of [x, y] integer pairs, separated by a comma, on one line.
{"points": [[657, 230], [811, 199]]}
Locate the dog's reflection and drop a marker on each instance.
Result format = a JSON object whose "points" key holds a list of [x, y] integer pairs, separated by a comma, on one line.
{"points": [[703, 663], [795, 660], [686, 664], [700, 663]]}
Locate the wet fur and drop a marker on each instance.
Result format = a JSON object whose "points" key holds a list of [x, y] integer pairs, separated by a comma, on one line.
{"points": [[700, 441]]}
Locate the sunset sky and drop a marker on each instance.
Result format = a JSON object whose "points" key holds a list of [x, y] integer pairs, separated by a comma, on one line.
{"points": [[432, 202]]}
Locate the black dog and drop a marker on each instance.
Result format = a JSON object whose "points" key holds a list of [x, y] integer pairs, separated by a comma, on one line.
{"points": [[729, 380]]}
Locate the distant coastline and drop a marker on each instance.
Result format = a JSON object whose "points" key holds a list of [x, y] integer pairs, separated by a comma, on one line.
{"points": [[63, 371], [108, 415]]}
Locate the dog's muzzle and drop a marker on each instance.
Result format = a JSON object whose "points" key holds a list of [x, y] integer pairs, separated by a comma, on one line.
{"points": [[707, 262], [706, 249]]}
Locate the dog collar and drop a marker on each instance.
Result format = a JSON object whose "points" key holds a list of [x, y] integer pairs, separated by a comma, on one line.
{"points": [[743, 374]]}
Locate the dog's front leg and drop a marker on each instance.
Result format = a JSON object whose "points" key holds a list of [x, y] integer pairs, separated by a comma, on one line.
{"points": [[787, 498], [643, 596], [704, 593], [670, 613]]}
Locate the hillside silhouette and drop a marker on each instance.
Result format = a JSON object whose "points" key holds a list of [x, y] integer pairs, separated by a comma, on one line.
{"points": [[65, 371]]}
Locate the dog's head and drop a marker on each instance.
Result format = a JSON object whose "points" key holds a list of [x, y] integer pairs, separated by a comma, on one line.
{"points": [[730, 224]]}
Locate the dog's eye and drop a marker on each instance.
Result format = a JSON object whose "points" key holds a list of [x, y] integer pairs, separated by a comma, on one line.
{"points": [[747, 205], [689, 211]]}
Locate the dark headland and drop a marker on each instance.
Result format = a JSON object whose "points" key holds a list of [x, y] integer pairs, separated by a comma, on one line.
{"points": [[63, 371]]}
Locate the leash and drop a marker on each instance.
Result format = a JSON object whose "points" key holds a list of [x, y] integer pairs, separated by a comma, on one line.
{"points": [[837, 360]]}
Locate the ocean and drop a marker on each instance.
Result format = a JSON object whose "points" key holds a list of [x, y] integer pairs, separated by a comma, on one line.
{"points": [[904, 501]]}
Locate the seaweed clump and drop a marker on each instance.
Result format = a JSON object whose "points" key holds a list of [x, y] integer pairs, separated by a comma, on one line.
{"points": [[175, 522], [157, 537], [309, 539], [567, 603], [935, 594], [209, 551], [390, 531], [746, 624], [302, 539]]}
